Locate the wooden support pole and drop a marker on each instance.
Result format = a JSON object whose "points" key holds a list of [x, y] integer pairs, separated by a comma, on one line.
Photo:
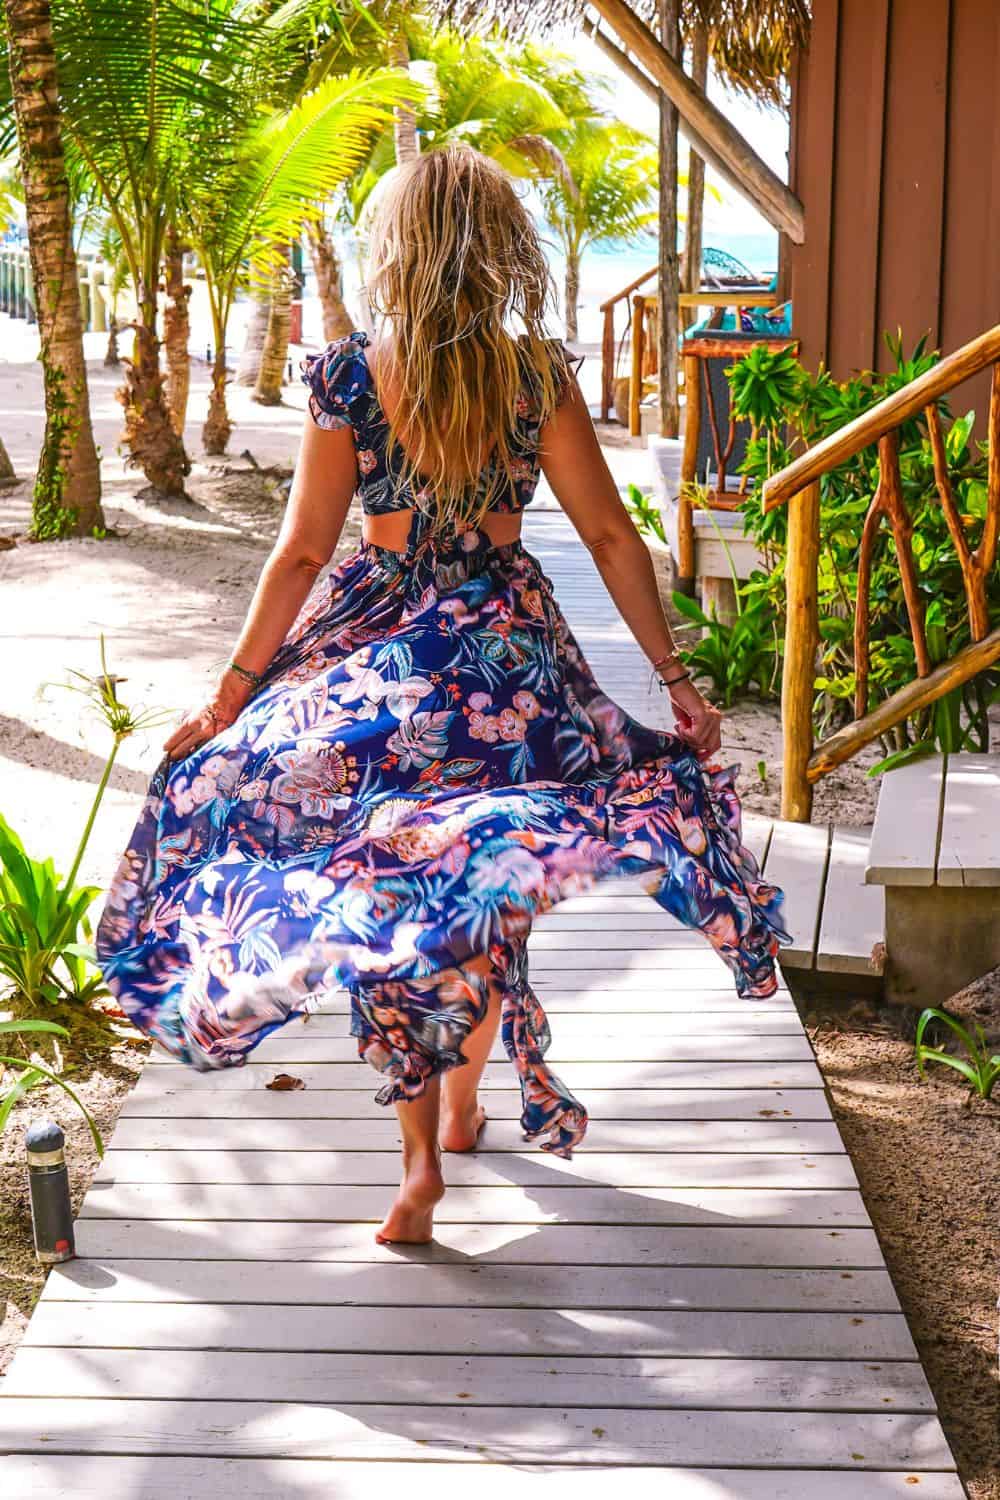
{"points": [[638, 351], [608, 362], [689, 474], [801, 641], [719, 140]]}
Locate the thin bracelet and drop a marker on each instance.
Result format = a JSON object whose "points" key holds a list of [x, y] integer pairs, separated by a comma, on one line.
{"points": [[672, 681], [670, 656], [252, 679]]}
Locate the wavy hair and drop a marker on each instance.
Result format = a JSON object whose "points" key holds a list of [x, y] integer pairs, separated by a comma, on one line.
{"points": [[456, 265]]}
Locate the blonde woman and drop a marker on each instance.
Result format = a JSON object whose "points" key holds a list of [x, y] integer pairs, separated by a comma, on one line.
{"points": [[403, 765]]}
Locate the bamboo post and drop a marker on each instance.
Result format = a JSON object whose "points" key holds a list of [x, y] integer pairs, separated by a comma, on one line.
{"points": [[689, 473], [801, 640], [638, 350], [608, 362]]}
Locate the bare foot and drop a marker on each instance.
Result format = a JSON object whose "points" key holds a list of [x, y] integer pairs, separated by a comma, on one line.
{"points": [[410, 1220], [461, 1132]]}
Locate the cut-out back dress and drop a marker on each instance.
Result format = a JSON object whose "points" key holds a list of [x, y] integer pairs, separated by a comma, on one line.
{"points": [[427, 765]]}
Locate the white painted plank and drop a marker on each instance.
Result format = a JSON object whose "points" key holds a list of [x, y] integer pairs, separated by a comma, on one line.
{"points": [[907, 824], [737, 1136], [624, 1075], [565, 1204], [608, 938], [594, 1435], [500, 1244], [148, 1101], [757, 836], [853, 919], [472, 1380], [527, 1168], [86, 1324], [745, 1022], [87, 1477], [299, 1045], [969, 853], [796, 861], [407, 1283]]}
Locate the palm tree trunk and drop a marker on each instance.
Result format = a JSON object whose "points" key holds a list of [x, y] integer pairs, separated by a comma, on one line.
{"points": [[694, 239], [248, 367], [7, 475], [572, 293], [271, 375], [404, 121], [176, 332], [67, 495], [154, 446], [111, 354], [669, 277], [218, 428], [329, 282]]}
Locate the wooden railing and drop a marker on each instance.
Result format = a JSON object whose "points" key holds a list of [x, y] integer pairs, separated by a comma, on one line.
{"points": [[645, 354], [798, 486]]}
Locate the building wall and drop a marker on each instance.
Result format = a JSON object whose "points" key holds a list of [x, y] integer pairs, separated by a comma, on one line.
{"points": [[896, 158]]}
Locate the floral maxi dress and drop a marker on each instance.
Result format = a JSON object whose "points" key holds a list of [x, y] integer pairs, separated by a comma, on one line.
{"points": [[427, 765]]}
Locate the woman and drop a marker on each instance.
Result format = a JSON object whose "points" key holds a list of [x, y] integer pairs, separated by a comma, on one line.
{"points": [[395, 775]]}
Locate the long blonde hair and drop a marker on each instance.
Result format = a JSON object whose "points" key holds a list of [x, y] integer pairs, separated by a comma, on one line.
{"points": [[456, 264]]}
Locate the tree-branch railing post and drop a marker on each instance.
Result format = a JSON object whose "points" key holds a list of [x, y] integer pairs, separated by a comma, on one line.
{"points": [[798, 486], [638, 358], [801, 641]]}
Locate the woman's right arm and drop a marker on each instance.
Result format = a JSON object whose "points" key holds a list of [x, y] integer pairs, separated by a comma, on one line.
{"points": [[322, 486]]}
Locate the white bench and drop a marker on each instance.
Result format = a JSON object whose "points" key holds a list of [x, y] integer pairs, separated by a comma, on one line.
{"points": [[935, 848]]}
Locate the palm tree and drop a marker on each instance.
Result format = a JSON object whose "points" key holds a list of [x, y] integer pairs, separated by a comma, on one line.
{"points": [[610, 197], [266, 179], [68, 480]]}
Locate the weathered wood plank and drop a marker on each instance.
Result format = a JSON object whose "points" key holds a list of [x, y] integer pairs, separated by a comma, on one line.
{"points": [[796, 861], [474, 1380], [744, 1022], [474, 1330], [853, 919], [737, 1136], [624, 1075], [969, 852], [300, 1045], [413, 1284], [907, 824], [151, 1102], [475, 1434], [527, 1168], [500, 1244], [95, 1477], [565, 1204]]}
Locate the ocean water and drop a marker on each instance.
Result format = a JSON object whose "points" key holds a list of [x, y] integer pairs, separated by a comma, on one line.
{"points": [[605, 272]]}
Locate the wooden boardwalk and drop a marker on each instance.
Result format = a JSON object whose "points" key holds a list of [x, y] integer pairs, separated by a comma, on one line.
{"points": [[696, 1306]]}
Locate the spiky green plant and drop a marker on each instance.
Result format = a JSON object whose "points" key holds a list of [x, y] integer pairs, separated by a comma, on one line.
{"points": [[32, 1074], [979, 1067]]}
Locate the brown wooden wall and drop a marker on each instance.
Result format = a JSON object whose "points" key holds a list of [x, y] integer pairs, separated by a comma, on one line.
{"points": [[896, 158]]}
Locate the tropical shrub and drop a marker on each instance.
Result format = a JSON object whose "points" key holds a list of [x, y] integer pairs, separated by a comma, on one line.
{"points": [[980, 1067], [788, 410], [45, 952]]}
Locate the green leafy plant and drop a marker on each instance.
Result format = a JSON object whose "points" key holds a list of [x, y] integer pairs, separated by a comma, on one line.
{"points": [[32, 1074], [980, 1068], [734, 657], [789, 410], [645, 513], [43, 916]]}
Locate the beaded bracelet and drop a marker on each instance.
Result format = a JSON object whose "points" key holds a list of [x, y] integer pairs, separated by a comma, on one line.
{"points": [[252, 679]]}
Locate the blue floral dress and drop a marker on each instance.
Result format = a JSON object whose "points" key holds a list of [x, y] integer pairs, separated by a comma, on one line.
{"points": [[427, 765]]}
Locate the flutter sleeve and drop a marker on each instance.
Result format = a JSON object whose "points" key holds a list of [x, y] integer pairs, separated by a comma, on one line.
{"points": [[334, 380]]}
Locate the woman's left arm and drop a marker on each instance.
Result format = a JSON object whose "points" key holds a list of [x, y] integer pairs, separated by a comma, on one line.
{"points": [[322, 486]]}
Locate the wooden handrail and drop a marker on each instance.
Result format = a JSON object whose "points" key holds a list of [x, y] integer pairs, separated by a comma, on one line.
{"points": [[627, 291], [891, 412], [799, 485]]}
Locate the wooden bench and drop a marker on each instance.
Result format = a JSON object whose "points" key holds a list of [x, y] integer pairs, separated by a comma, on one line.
{"points": [[935, 848]]}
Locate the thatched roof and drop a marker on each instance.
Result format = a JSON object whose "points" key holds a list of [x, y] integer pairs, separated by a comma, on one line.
{"points": [[753, 39]]}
